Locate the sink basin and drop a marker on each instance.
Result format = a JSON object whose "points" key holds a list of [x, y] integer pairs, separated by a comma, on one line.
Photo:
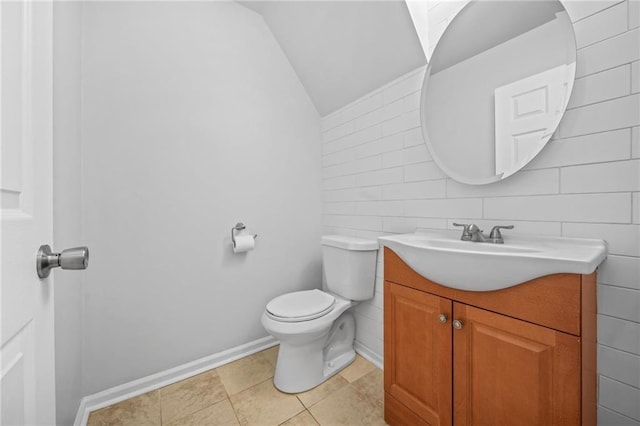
{"points": [[442, 257]]}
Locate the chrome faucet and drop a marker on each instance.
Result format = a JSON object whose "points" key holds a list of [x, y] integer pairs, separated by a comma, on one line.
{"points": [[473, 233]]}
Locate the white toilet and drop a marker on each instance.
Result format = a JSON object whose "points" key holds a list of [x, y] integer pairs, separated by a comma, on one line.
{"points": [[314, 328]]}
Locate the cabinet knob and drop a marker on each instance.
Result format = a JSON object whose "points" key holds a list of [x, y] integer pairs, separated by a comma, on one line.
{"points": [[457, 324], [442, 318]]}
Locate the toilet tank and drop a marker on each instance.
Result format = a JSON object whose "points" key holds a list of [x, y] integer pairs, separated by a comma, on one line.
{"points": [[349, 265]]}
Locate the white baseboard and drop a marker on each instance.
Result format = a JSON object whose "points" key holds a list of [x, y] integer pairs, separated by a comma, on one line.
{"points": [[368, 354], [155, 381]]}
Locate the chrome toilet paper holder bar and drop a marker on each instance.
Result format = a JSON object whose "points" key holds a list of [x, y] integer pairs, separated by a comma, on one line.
{"points": [[239, 227]]}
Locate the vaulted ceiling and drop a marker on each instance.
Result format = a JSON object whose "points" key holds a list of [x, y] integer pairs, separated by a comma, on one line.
{"points": [[342, 50]]}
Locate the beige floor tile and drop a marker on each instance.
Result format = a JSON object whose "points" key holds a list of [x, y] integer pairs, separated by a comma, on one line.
{"points": [[370, 386], [303, 419], [271, 354], [358, 368], [191, 395], [323, 390], [264, 405], [143, 410], [246, 372], [218, 414], [346, 407], [353, 397]]}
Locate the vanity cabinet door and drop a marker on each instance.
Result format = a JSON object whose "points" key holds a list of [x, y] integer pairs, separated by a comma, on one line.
{"points": [[417, 354], [508, 371]]}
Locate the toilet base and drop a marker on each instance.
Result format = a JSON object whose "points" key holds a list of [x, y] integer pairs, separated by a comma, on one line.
{"points": [[303, 367], [338, 364]]}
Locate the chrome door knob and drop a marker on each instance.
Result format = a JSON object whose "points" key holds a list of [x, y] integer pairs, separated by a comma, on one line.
{"points": [[442, 318], [457, 324], [73, 258]]}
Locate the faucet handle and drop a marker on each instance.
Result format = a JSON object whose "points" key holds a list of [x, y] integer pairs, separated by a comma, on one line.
{"points": [[495, 235], [466, 235]]}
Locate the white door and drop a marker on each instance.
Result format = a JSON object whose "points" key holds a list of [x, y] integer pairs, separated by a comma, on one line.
{"points": [[27, 389], [527, 113]]}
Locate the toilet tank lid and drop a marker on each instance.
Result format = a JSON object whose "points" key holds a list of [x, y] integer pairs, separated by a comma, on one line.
{"points": [[349, 243]]}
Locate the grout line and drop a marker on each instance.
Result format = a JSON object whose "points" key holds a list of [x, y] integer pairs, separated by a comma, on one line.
{"points": [[618, 413], [526, 170], [559, 167], [606, 69], [295, 415], [627, 256], [313, 417], [486, 196], [601, 284], [601, 132], [234, 411], [602, 72], [593, 43], [631, 206], [620, 319], [160, 401], [618, 381], [367, 141], [233, 408], [371, 94], [602, 101], [619, 350], [376, 123], [300, 401], [630, 76], [595, 13]]}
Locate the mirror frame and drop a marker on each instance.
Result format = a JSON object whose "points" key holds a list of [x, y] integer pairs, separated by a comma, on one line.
{"points": [[425, 134]]}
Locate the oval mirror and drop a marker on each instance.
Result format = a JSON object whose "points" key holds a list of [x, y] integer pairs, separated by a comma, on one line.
{"points": [[496, 87]]}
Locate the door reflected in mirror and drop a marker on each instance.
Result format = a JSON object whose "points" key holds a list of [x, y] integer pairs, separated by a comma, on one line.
{"points": [[496, 87]]}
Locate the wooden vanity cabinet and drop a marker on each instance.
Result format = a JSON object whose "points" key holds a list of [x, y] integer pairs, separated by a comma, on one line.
{"points": [[521, 356]]}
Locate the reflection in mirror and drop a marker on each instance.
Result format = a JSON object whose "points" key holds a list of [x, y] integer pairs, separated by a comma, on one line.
{"points": [[497, 86]]}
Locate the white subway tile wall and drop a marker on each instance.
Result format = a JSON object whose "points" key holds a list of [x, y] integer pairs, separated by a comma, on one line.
{"points": [[608, 23], [601, 86], [619, 397], [380, 179], [621, 366], [609, 53]]}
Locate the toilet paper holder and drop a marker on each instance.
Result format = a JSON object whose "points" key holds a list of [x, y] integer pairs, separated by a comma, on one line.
{"points": [[239, 227]]}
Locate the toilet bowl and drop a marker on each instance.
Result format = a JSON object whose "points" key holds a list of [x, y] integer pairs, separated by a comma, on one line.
{"points": [[301, 362], [315, 328]]}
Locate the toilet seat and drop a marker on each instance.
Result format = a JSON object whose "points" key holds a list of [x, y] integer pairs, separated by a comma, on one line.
{"points": [[300, 306]]}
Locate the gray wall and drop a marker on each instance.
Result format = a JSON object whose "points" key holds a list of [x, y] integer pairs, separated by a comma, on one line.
{"points": [[379, 179], [67, 205], [193, 119]]}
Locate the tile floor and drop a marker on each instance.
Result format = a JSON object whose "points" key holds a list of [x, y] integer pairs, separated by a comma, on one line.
{"points": [[242, 393]]}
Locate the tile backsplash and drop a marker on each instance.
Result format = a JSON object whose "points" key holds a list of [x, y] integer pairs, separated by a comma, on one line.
{"points": [[379, 178]]}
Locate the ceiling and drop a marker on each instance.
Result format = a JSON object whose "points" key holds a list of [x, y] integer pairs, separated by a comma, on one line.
{"points": [[342, 50]]}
